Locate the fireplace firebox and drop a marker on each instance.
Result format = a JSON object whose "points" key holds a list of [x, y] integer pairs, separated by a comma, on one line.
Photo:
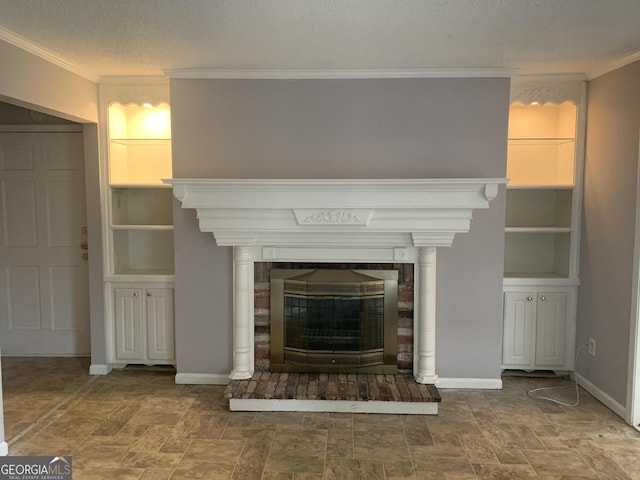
{"points": [[334, 320]]}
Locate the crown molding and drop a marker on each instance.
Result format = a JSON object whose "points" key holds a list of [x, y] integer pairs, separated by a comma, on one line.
{"points": [[27, 45], [134, 80], [614, 65], [302, 74], [549, 78]]}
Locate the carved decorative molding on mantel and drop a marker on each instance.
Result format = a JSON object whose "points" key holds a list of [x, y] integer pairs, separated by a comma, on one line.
{"points": [[333, 216]]}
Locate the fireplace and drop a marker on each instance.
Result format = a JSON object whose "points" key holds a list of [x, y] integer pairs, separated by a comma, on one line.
{"points": [[334, 320], [336, 221]]}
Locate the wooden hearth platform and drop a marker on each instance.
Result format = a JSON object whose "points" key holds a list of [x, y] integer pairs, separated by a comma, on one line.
{"points": [[321, 392]]}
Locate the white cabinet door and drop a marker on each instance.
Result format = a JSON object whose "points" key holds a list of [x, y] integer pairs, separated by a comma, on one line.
{"points": [[129, 323], [159, 317], [550, 328], [519, 328]]}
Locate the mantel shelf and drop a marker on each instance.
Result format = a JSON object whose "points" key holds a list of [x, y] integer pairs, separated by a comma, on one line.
{"points": [[362, 213]]}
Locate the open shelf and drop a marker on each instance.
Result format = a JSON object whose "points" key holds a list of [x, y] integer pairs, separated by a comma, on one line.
{"points": [[541, 146], [143, 251], [539, 208], [546, 163], [540, 253], [141, 206], [139, 144], [142, 162], [133, 121], [542, 121]]}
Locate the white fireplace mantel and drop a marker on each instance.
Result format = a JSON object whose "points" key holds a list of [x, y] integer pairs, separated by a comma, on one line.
{"points": [[320, 220]]}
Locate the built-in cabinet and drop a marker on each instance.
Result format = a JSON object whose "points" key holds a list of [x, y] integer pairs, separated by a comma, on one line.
{"points": [[144, 325], [138, 210], [542, 223], [535, 327]]}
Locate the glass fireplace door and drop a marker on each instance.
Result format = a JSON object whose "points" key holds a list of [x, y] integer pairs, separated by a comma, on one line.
{"points": [[334, 330]]}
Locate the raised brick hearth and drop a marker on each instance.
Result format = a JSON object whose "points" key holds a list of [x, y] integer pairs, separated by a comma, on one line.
{"points": [[333, 392]]}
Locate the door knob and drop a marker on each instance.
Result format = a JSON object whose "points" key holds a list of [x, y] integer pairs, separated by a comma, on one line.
{"points": [[84, 230], [84, 246], [85, 256], [543, 298]]}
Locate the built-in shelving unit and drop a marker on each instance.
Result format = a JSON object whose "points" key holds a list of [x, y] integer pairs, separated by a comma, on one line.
{"points": [[139, 223], [542, 223], [541, 172], [141, 205]]}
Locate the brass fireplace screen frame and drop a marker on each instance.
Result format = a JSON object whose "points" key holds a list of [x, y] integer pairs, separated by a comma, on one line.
{"points": [[329, 361]]}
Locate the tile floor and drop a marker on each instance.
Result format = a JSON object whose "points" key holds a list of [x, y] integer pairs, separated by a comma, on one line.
{"points": [[140, 425]]}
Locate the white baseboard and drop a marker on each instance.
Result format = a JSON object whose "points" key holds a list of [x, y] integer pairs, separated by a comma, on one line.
{"points": [[202, 379], [4, 449], [603, 397], [470, 383], [99, 369]]}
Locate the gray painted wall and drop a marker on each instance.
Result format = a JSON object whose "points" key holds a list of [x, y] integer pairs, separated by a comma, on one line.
{"points": [[377, 128], [606, 252]]}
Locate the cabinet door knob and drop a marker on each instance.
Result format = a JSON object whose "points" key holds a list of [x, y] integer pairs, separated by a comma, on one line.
{"points": [[148, 294], [543, 298], [84, 246], [85, 256], [529, 299], [84, 230], [135, 294]]}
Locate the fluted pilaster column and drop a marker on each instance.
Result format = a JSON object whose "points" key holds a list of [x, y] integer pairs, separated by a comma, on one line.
{"points": [[242, 314], [424, 370]]}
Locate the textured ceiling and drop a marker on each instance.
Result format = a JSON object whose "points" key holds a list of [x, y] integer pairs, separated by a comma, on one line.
{"points": [[143, 37]]}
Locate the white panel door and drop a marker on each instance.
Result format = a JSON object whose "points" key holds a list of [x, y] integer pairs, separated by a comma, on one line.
{"points": [[44, 297]]}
